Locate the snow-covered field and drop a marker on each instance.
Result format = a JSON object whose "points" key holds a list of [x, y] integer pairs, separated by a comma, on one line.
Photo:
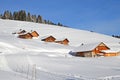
{"points": [[33, 59]]}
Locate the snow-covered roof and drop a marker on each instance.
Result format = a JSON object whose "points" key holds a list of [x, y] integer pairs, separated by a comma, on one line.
{"points": [[86, 47], [109, 51], [61, 39], [44, 37]]}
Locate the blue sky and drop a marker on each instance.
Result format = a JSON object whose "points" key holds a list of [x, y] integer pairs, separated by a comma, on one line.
{"points": [[102, 16]]}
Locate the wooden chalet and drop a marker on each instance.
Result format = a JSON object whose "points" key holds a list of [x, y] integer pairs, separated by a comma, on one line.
{"points": [[34, 34], [64, 41], [26, 36], [91, 50], [49, 39]]}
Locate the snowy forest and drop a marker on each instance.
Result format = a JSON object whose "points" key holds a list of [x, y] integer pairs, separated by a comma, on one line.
{"points": [[22, 15]]}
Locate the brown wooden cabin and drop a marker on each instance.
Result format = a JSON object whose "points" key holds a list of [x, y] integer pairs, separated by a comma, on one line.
{"points": [[65, 41], [91, 50], [34, 34], [49, 39], [26, 36]]}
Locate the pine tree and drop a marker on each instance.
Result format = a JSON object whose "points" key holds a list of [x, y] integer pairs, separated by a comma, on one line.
{"points": [[34, 18], [22, 15], [11, 16], [28, 17], [51, 23], [15, 15], [59, 24], [48, 22], [45, 22], [0, 16], [39, 19], [7, 15]]}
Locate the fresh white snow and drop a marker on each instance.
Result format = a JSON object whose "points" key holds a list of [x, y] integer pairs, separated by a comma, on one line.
{"points": [[33, 59]]}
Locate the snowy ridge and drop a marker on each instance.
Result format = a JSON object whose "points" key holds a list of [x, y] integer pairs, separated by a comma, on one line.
{"points": [[52, 60]]}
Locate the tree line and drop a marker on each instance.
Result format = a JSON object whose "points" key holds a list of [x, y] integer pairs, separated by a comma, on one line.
{"points": [[116, 36], [22, 15]]}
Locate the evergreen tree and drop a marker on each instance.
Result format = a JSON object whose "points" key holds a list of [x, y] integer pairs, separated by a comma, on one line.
{"points": [[11, 16], [28, 17], [48, 22], [45, 22], [0, 16], [7, 15], [39, 19], [15, 15], [34, 18], [22, 15], [59, 24]]}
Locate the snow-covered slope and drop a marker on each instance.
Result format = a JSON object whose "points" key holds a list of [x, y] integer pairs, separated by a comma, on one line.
{"points": [[37, 60], [75, 36]]}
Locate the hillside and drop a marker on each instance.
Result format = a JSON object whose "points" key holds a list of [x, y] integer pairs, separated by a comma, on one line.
{"points": [[37, 60]]}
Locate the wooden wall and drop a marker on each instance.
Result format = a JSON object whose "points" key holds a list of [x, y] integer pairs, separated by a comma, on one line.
{"points": [[34, 34], [26, 36], [84, 54], [110, 54], [99, 48]]}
